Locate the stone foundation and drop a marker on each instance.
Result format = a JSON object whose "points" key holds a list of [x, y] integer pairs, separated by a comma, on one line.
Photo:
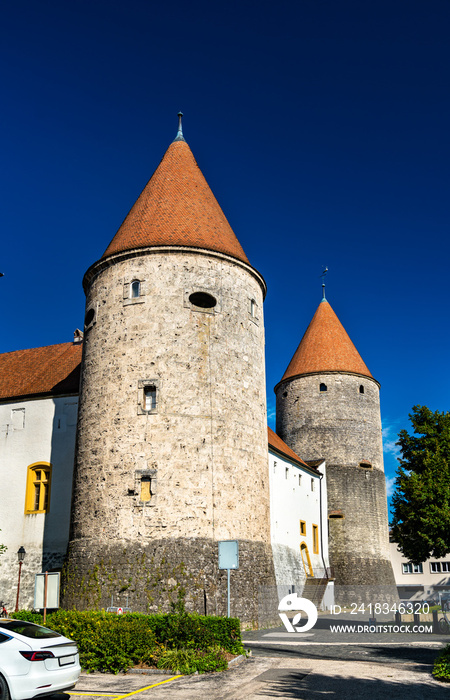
{"points": [[151, 577]]}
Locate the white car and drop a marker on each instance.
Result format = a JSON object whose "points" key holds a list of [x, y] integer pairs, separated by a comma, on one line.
{"points": [[35, 661]]}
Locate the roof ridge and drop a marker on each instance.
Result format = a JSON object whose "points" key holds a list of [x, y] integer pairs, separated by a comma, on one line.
{"points": [[278, 444], [37, 347], [48, 369]]}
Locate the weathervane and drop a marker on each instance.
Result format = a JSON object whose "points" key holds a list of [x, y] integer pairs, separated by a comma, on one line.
{"points": [[323, 282]]}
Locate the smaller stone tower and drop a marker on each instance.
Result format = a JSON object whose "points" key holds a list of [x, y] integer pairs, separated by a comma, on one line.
{"points": [[328, 406]]}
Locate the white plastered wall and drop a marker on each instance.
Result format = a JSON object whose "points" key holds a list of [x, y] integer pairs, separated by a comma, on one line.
{"points": [[293, 499], [34, 431]]}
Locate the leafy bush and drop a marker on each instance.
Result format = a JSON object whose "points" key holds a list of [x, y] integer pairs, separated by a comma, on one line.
{"points": [[441, 669], [29, 616], [109, 642], [192, 631], [190, 660]]}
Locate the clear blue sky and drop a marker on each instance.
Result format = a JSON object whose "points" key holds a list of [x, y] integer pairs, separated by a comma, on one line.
{"points": [[322, 127]]}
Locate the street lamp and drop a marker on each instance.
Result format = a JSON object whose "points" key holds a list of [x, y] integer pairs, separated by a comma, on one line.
{"points": [[20, 556]]}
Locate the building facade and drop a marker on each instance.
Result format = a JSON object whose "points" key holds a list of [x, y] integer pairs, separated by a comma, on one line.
{"points": [[428, 581]]}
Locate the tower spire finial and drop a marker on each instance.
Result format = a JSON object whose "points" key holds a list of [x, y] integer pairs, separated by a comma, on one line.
{"points": [[179, 136], [323, 282]]}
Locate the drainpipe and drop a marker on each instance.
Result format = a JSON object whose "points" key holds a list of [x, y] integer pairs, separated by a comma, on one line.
{"points": [[321, 526]]}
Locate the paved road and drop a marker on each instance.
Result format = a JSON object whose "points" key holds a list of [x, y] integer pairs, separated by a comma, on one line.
{"points": [[267, 677], [300, 670], [320, 644]]}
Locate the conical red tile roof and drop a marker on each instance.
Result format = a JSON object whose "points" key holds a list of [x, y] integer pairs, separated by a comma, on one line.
{"points": [[177, 208], [326, 347]]}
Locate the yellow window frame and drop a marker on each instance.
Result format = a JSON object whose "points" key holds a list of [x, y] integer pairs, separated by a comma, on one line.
{"points": [[303, 528], [39, 478], [315, 537]]}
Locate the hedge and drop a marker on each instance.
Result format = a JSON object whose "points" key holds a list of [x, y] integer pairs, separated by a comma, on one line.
{"points": [[441, 669], [109, 642]]}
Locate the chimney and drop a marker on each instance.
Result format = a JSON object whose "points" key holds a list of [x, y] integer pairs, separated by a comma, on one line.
{"points": [[77, 336]]}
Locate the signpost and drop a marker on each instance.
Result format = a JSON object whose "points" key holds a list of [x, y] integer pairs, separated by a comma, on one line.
{"points": [[46, 591], [228, 559]]}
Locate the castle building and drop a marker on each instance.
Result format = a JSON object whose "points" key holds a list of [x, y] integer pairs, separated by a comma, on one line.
{"points": [[38, 417], [327, 404], [161, 428]]}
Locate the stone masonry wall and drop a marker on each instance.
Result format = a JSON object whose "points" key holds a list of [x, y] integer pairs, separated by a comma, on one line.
{"points": [[203, 447], [340, 424]]}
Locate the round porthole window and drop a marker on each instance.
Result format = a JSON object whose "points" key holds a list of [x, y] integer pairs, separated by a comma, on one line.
{"points": [[203, 300]]}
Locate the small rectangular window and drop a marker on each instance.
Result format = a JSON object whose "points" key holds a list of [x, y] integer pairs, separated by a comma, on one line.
{"points": [[274, 467], [253, 311], [435, 567], [286, 472], [315, 533], [445, 566], [299, 479], [303, 528], [407, 568], [149, 398], [135, 289], [312, 484], [146, 491], [145, 487], [418, 568]]}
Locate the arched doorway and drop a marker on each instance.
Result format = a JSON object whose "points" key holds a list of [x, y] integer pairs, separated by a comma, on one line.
{"points": [[306, 560]]}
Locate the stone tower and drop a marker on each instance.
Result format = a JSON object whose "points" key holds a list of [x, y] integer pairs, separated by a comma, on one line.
{"points": [[171, 452], [328, 406]]}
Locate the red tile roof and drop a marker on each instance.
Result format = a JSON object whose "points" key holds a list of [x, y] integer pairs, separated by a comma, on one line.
{"points": [[177, 208], [53, 370], [325, 347], [277, 443]]}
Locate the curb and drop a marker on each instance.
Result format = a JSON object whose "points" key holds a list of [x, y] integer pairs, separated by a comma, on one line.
{"points": [[169, 672], [151, 671], [237, 660]]}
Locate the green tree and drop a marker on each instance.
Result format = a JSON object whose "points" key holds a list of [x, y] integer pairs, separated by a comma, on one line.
{"points": [[3, 547], [421, 502]]}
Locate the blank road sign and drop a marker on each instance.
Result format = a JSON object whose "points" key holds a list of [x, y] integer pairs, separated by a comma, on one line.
{"points": [[229, 554], [52, 590]]}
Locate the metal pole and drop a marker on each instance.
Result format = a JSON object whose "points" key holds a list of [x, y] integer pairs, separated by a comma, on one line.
{"points": [[18, 586], [228, 579], [45, 595]]}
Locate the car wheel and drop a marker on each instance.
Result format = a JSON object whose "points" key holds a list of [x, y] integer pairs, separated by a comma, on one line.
{"points": [[4, 690]]}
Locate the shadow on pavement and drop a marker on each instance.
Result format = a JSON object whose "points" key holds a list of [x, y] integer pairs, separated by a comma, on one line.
{"points": [[318, 686]]}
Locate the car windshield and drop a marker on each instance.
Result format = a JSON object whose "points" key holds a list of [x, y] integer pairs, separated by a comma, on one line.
{"points": [[28, 629]]}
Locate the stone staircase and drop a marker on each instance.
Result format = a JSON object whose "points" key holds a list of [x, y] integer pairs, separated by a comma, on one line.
{"points": [[314, 589]]}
